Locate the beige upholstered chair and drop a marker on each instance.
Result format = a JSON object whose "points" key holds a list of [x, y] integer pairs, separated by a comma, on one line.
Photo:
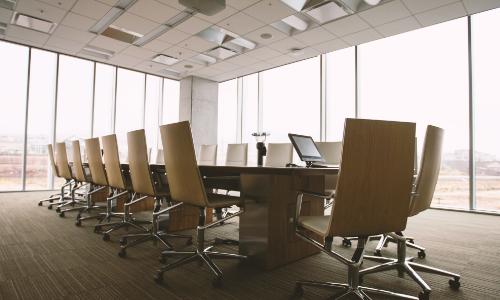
{"points": [[62, 195], [420, 201], [144, 188], [237, 154], [331, 152], [362, 208], [186, 186], [279, 154], [208, 155]]}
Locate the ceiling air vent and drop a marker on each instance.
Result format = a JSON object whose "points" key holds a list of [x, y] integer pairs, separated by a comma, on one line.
{"points": [[206, 7], [221, 53], [97, 52], [33, 23], [165, 59], [170, 72], [121, 34], [8, 4]]}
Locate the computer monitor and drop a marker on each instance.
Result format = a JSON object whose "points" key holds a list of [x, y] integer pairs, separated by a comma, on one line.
{"points": [[306, 148]]}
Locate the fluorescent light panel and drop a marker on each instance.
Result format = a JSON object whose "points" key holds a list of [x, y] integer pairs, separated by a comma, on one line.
{"points": [[97, 52], [221, 53], [121, 34], [165, 59], [114, 13], [33, 23], [327, 12], [172, 22], [204, 59]]}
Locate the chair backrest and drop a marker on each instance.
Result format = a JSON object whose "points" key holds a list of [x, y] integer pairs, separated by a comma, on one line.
{"points": [[184, 179], [279, 154], [375, 179], [429, 170], [50, 150], [208, 155], [112, 162], [237, 155], [139, 163], [77, 162], [94, 157], [159, 157], [62, 161], [331, 151]]}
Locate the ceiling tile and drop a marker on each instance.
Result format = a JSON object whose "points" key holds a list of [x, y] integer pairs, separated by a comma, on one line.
{"points": [[173, 3], [108, 43], [331, 46], [281, 60], [134, 23], [225, 66], [241, 4], [178, 52], [242, 60], [150, 66], [153, 10], [23, 41], [385, 13], [5, 15], [26, 34], [399, 26], [475, 6], [125, 60], [157, 45], [181, 66], [441, 14], [193, 25], [40, 10], [72, 34], [77, 21], [314, 36], [285, 45], [264, 53], [138, 52], [269, 11], [417, 6], [90, 8], [259, 66], [224, 14], [65, 44], [240, 23], [62, 4], [361, 37], [255, 36], [173, 36], [197, 44], [347, 25]]}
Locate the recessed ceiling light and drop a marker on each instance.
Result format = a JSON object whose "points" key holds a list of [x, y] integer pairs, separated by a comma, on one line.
{"points": [[222, 53], [327, 12], [204, 59], [266, 36], [165, 59], [33, 23], [296, 51]]}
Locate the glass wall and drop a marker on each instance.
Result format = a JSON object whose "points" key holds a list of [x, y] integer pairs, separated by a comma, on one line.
{"points": [[61, 98], [13, 90], [42, 92], [486, 95]]}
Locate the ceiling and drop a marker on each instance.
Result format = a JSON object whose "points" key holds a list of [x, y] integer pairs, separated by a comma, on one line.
{"points": [[245, 18]]}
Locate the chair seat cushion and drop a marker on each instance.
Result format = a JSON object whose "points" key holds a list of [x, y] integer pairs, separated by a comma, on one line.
{"points": [[219, 200], [316, 224]]}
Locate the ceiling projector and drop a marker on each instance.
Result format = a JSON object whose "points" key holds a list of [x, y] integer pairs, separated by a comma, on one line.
{"points": [[206, 7]]}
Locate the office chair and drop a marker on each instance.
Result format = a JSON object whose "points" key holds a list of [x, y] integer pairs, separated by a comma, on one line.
{"points": [[144, 188], [186, 186], [159, 157], [377, 160], [62, 195], [208, 155], [120, 187], [420, 201], [279, 154]]}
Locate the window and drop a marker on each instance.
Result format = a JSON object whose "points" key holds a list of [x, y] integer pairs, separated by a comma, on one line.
{"points": [[13, 85], [340, 91], [42, 90], [422, 77], [74, 99], [171, 90], [227, 117], [486, 95], [104, 98], [249, 116], [153, 100], [129, 106], [291, 99]]}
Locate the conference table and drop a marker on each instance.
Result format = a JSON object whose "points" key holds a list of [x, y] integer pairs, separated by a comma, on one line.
{"points": [[266, 229]]}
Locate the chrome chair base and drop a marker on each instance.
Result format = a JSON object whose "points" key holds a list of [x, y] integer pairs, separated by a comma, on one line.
{"points": [[385, 239], [405, 265]]}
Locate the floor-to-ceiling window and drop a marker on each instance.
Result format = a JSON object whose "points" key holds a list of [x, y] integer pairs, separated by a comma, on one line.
{"points": [[13, 90], [104, 99], [42, 91], [486, 96], [171, 90], [227, 117], [250, 114], [152, 111]]}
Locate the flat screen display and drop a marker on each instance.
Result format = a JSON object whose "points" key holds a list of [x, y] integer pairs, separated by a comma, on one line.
{"points": [[305, 147]]}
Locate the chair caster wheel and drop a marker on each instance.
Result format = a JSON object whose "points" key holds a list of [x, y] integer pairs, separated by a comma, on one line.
{"points": [[78, 223], [105, 237], [421, 254], [377, 253], [40, 203], [49, 207], [61, 214], [423, 296], [97, 229], [50, 201], [412, 241], [158, 278], [123, 241], [346, 243], [58, 210], [217, 282], [454, 283], [298, 291], [189, 242], [122, 253]]}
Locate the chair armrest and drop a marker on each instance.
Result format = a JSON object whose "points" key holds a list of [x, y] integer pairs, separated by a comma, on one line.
{"points": [[160, 212], [136, 200], [318, 195]]}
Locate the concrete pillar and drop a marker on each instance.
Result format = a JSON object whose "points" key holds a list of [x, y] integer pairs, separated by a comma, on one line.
{"points": [[198, 104]]}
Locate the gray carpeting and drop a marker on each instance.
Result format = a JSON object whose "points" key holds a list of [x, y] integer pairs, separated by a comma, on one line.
{"points": [[43, 256]]}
